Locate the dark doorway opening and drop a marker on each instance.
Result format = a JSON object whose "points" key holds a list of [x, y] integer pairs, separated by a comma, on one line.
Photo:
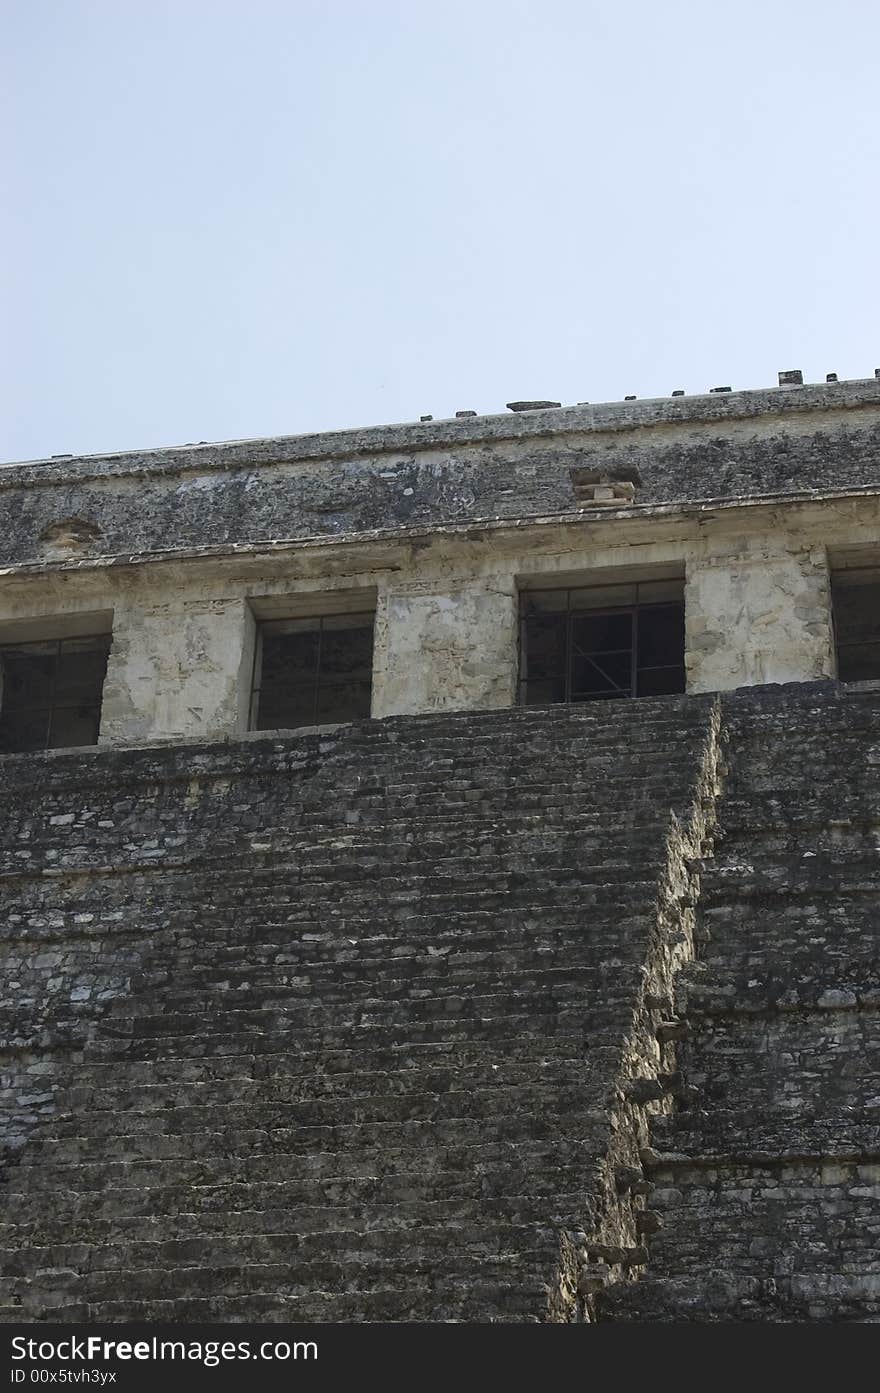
{"points": [[313, 671], [51, 693], [856, 607], [579, 645]]}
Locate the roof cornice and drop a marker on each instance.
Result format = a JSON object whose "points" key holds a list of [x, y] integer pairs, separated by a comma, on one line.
{"points": [[454, 433]]}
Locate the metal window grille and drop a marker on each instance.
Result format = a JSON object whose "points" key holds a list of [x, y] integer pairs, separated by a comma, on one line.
{"points": [[312, 671], [573, 648], [856, 621], [52, 692]]}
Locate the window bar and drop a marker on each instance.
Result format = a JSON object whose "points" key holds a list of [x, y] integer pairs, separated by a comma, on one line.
{"points": [[569, 647], [523, 660], [52, 690], [256, 680], [318, 669], [634, 648]]}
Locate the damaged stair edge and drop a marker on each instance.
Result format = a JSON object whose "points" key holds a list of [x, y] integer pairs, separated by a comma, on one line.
{"points": [[616, 1248]]}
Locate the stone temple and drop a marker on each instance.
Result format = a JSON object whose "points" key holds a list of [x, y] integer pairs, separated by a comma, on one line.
{"points": [[440, 870]]}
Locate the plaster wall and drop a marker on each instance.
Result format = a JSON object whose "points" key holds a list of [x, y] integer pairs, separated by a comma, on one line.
{"points": [[761, 616], [178, 668], [757, 606], [446, 647]]}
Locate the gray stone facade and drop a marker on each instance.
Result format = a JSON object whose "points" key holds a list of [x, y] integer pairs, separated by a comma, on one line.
{"points": [[468, 1011], [787, 441]]}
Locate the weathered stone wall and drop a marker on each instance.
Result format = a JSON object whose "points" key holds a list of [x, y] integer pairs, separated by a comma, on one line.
{"points": [[341, 1027], [444, 1018], [178, 669], [437, 527], [762, 615], [400, 478], [446, 647], [756, 587], [767, 1176]]}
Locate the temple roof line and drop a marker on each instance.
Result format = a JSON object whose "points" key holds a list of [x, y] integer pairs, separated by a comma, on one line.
{"points": [[718, 405]]}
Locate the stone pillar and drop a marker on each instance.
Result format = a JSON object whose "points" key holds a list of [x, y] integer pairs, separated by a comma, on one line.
{"points": [[178, 670], [758, 618], [445, 646]]}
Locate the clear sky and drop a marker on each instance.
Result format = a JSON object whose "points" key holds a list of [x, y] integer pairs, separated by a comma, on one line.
{"points": [[228, 218]]}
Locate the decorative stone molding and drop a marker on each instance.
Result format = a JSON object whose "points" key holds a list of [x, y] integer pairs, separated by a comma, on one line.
{"points": [[604, 486]]}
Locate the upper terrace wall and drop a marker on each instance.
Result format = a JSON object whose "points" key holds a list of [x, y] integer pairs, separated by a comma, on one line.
{"points": [[437, 527], [351, 483]]}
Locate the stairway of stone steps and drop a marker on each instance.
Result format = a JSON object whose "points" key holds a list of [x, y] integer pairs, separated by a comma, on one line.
{"points": [[768, 1184], [329, 1027]]}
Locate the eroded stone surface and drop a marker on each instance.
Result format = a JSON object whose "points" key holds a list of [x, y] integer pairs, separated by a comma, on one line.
{"points": [[768, 1178], [338, 1027]]}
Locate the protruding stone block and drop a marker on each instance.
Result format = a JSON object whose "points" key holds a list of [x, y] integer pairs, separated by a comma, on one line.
{"points": [[648, 1222], [643, 1090], [671, 1030], [604, 486]]}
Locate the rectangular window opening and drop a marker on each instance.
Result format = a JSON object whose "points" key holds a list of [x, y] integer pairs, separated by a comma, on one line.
{"points": [[312, 671], [596, 643], [51, 692], [856, 610]]}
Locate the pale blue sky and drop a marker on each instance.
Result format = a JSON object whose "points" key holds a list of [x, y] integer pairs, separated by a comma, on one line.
{"points": [[240, 219]]}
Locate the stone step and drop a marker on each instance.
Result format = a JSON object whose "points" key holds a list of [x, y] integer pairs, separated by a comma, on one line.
{"points": [[444, 1300], [23, 877], [452, 1244], [840, 811], [215, 936], [112, 1133], [220, 935], [441, 736], [396, 1203], [360, 985], [551, 993], [45, 1164], [506, 1255], [835, 983], [715, 1295], [768, 1229], [482, 892], [409, 958], [431, 790], [833, 868], [288, 902], [411, 924], [387, 770], [299, 1085], [726, 1137], [341, 1064], [348, 1148], [594, 1027], [538, 817], [324, 1178]]}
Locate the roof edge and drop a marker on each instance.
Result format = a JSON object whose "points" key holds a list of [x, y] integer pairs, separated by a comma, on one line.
{"points": [[453, 432]]}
